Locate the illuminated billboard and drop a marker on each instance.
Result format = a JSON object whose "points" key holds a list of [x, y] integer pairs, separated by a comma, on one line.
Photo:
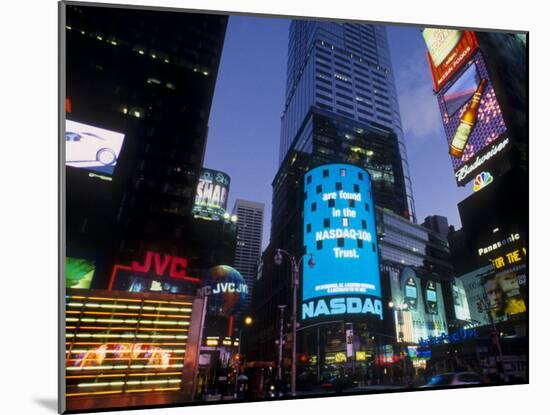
{"points": [[79, 272], [503, 295], [472, 120], [91, 148], [418, 312], [339, 231], [155, 273], [122, 346], [460, 300], [448, 49], [212, 194]]}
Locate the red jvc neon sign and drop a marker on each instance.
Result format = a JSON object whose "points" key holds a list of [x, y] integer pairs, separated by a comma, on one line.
{"points": [[176, 266], [160, 265]]}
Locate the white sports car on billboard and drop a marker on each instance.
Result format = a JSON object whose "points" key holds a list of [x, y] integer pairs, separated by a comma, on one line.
{"points": [[91, 148]]}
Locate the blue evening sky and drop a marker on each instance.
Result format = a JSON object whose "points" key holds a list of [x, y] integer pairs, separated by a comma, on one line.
{"points": [[243, 138]]}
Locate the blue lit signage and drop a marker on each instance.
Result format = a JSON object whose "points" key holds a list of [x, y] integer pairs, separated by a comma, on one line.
{"points": [[340, 232]]}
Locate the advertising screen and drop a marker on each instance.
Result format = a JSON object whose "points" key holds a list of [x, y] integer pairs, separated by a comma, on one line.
{"points": [[448, 49], [91, 148], [421, 318], [212, 194], [504, 296], [79, 272], [472, 120], [460, 300], [340, 233], [431, 297]]}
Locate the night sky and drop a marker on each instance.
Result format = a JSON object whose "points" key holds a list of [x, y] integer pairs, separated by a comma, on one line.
{"points": [[245, 121]]}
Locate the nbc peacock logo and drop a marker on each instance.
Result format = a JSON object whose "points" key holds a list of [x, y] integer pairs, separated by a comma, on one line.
{"points": [[482, 179]]}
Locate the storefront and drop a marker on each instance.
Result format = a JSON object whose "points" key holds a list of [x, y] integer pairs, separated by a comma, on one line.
{"points": [[130, 349]]}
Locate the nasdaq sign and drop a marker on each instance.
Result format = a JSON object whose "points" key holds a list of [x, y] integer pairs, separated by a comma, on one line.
{"points": [[339, 230]]}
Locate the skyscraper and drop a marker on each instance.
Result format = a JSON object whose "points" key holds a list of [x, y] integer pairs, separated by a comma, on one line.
{"points": [[249, 240], [149, 76], [339, 75], [341, 107]]}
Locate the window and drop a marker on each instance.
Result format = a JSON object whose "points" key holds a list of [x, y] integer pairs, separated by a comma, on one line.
{"points": [[319, 189], [343, 88], [359, 243], [340, 242], [338, 185], [319, 244], [356, 188], [343, 104], [345, 221], [367, 207], [342, 172], [351, 202], [308, 180], [363, 224], [339, 95], [373, 247], [313, 207], [360, 175], [305, 195], [323, 96], [308, 228], [331, 203], [325, 173], [326, 222]]}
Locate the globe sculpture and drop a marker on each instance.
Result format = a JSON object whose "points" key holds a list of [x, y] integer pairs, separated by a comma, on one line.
{"points": [[227, 290]]}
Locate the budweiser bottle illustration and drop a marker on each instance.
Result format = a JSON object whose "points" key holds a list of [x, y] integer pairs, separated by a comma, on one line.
{"points": [[467, 122]]}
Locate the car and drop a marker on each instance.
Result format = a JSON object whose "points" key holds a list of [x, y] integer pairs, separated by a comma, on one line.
{"points": [[88, 147], [454, 379], [336, 382]]}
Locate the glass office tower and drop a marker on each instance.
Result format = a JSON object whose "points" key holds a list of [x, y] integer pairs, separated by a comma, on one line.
{"points": [[344, 70]]}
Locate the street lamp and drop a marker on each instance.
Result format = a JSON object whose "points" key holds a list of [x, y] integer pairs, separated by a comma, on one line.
{"points": [[247, 322], [295, 269]]}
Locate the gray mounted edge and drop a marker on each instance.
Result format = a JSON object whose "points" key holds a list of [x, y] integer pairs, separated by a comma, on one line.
{"points": [[61, 79], [287, 16]]}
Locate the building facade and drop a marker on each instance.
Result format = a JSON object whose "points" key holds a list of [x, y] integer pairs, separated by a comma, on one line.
{"points": [[150, 77], [250, 222], [345, 69]]}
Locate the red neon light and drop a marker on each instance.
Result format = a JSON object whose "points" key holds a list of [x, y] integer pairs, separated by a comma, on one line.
{"points": [[231, 327], [113, 274], [123, 351], [68, 106], [176, 267]]}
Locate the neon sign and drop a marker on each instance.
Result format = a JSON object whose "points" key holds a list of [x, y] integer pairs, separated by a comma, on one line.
{"points": [[455, 337], [157, 265], [153, 355], [510, 258], [176, 266], [482, 179]]}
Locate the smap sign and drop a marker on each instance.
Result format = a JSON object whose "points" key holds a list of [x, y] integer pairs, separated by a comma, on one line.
{"points": [[340, 232]]}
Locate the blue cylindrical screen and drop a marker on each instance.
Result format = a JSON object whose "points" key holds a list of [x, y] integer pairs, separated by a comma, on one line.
{"points": [[340, 232]]}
